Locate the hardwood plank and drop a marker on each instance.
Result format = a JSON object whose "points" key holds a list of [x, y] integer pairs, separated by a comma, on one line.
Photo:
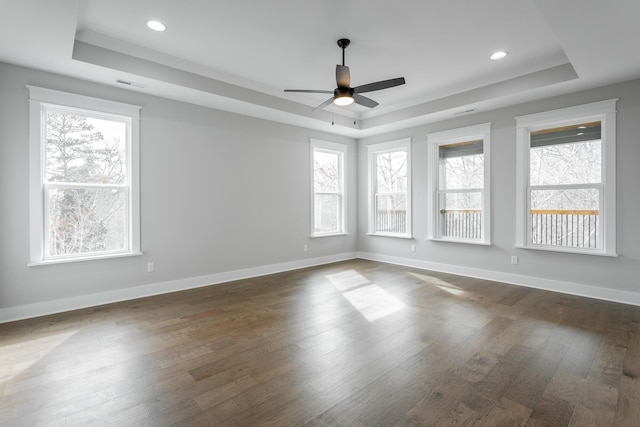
{"points": [[169, 416], [507, 414], [557, 404], [607, 366], [631, 365], [597, 405], [498, 380], [224, 392], [375, 402], [532, 381], [514, 295], [444, 405], [628, 409], [581, 354], [261, 398]]}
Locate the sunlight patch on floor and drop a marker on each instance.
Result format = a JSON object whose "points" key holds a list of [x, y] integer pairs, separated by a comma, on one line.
{"points": [[38, 347], [441, 284], [374, 302], [347, 280], [369, 299]]}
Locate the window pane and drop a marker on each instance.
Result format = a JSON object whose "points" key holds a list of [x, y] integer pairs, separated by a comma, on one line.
{"points": [[391, 213], [86, 221], [566, 199], [460, 215], [82, 149], [391, 171], [326, 172], [460, 172], [327, 213], [460, 201], [567, 163], [567, 217]]}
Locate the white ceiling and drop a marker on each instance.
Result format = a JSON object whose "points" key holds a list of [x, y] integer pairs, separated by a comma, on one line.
{"points": [[239, 56]]}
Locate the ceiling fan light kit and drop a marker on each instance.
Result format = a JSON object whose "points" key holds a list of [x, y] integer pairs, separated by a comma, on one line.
{"points": [[344, 94], [343, 99]]}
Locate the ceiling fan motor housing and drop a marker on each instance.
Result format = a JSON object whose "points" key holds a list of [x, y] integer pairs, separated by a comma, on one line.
{"points": [[343, 91]]}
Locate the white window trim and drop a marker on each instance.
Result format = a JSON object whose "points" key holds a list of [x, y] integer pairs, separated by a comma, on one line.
{"points": [[336, 148], [603, 111], [372, 150], [41, 97], [452, 136]]}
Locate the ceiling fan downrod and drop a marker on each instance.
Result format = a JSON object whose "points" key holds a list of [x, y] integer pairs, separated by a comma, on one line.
{"points": [[343, 43]]}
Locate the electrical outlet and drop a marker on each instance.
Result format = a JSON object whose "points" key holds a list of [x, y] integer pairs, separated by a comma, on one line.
{"points": [[305, 248], [150, 267], [413, 248], [514, 259]]}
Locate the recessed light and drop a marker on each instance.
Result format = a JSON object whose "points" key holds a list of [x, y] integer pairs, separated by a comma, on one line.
{"points": [[498, 55], [156, 25]]}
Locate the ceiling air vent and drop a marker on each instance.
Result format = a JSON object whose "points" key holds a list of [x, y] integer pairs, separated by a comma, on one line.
{"points": [[471, 110], [127, 83]]}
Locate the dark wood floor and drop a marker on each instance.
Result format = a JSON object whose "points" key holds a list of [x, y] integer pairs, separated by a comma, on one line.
{"points": [[356, 343]]}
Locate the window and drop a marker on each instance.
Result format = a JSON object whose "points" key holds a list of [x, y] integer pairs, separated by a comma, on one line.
{"points": [[566, 179], [328, 202], [390, 189], [459, 185], [84, 201]]}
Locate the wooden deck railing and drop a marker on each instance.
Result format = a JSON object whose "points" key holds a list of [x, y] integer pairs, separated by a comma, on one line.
{"points": [[553, 227], [568, 228], [391, 221], [461, 223]]}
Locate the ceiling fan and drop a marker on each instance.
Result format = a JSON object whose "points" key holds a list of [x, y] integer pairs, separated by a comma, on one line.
{"points": [[344, 94]]}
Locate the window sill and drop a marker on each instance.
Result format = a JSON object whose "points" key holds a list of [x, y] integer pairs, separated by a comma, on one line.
{"points": [[84, 258], [397, 236], [316, 236], [466, 242], [568, 250]]}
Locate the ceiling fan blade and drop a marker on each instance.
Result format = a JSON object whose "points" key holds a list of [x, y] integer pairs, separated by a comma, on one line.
{"points": [[343, 76], [384, 84], [363, 100], [308, 91], [324, 104]]}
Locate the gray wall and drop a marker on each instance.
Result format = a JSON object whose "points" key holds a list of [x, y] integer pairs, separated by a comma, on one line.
{"points": [[621, 273], [220, 192]]}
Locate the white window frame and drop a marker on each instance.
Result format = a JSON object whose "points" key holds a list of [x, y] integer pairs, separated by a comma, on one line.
{"points": [[373, 150], [340, 150], [603, 111], [452, 136], [41, 99]]}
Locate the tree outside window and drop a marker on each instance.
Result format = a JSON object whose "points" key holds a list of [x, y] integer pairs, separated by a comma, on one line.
{"points": [[85, 184]]}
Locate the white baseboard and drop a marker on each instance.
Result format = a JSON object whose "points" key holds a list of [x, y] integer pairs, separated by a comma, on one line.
{"points": [[624, 297], [73, 303]]}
